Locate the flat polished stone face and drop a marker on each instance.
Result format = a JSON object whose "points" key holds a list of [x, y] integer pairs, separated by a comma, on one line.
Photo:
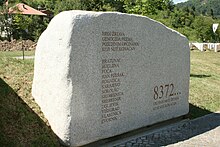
{"points": [[101, 74]]}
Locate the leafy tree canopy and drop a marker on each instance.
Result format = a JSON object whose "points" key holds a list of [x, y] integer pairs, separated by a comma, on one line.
{"points": [[194, 18]]}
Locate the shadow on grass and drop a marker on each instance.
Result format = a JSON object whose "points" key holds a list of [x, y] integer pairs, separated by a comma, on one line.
{"points": [[199, 76], [195, 111], [19, 124]]}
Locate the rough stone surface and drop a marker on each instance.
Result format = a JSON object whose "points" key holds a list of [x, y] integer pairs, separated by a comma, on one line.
{"points": [[102, 74]]}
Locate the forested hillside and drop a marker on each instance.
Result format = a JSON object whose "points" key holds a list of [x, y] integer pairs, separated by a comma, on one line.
{"points": [[185, 18], [204, 7]]}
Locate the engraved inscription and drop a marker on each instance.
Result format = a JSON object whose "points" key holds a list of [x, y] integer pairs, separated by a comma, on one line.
{"points": [[117, 41], [111, 92], [112, 76], [164, 96]]}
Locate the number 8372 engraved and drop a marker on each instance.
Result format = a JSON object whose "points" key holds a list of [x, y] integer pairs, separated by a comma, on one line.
{"points": [[163, 91]]}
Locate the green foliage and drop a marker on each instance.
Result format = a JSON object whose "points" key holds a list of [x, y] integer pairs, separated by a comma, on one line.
{"points": [[115, 5], [28, 27], [181, 18], [187, 19], [203, 27], [204, 7], [66, 5], [1, 2], [146, 7], [18, 26]]}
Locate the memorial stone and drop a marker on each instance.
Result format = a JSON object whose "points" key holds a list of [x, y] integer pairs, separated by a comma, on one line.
{"points": [[101, 74]]}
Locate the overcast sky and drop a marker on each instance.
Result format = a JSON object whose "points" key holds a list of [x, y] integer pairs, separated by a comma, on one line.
{"points": [[178, 1]]}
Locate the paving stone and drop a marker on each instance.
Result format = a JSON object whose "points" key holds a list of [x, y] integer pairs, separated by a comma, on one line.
{"points": [[200, 132]]}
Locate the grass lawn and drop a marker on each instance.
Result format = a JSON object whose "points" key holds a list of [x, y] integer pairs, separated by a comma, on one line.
{"points": [[20, 124], [205, 81], [23, 124], [15, 53]]}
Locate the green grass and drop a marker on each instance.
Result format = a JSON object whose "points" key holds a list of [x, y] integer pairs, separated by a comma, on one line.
{"points": [[15, 53], [205, 81], [21, 121], [23, 124]]}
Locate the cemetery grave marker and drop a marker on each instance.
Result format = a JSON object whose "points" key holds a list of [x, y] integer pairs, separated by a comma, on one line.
{"points": [[101, 74]]}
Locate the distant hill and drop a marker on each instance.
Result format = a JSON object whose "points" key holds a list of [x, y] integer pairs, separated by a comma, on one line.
{"points": [[204, 7]]}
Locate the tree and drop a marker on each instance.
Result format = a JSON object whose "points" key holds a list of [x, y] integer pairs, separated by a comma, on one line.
{"points": [[5, 21], [19, 26], [116, 5], [5, 26], [203, 27], [147, 7]]}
